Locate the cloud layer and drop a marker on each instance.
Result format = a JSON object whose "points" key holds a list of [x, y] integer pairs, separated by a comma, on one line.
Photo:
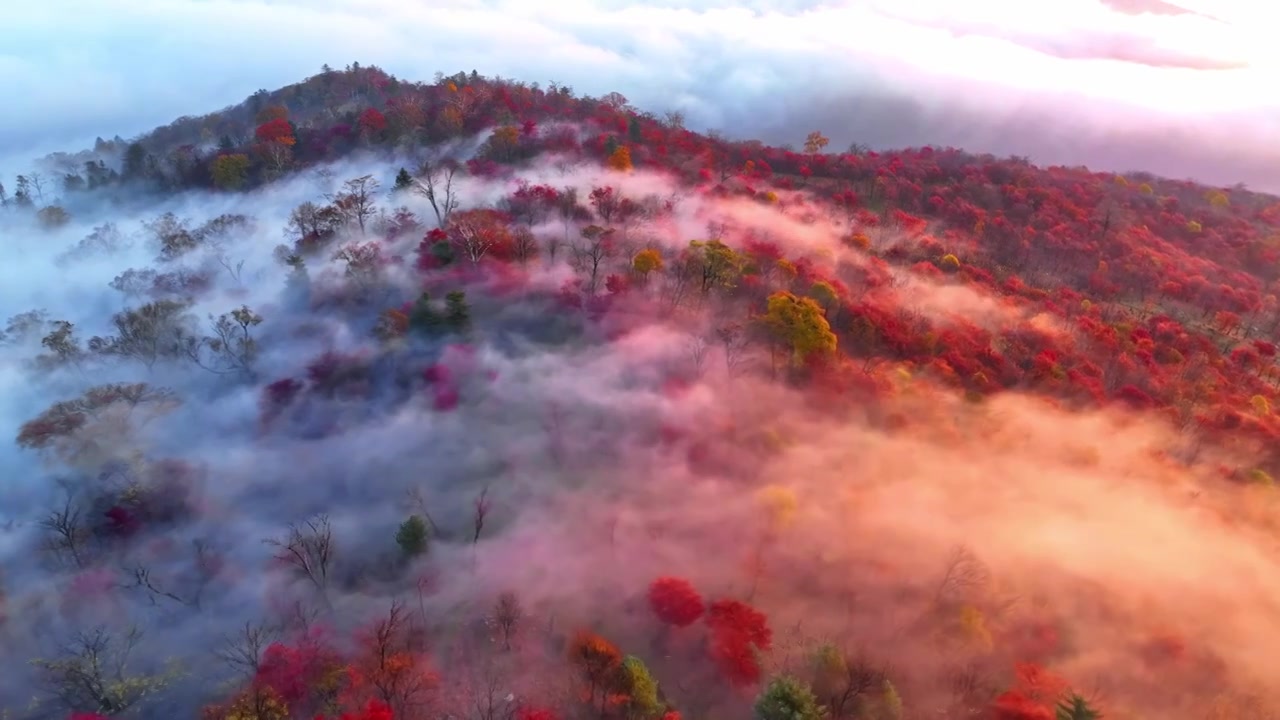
{"points": [[1180, 88], [605, 474]]}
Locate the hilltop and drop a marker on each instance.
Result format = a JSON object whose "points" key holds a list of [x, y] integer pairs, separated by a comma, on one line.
{"points": [[475, 398]]}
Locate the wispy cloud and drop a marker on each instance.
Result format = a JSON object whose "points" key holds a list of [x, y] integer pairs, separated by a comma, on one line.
{"points": [[1182, 88]]}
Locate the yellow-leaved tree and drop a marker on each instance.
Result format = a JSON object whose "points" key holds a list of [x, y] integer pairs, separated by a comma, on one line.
{"points": [[780, 503], [799, 324], [503, 143], [815, 142], [1260, 405], [230, 171], [973, 628], [646, 261]]}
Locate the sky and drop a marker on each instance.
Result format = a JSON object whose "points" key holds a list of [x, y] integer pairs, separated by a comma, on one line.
{"points": [[1184, 88]]}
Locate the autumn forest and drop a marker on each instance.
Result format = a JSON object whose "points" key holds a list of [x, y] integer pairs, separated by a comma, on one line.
{"points": [[480, 399]]}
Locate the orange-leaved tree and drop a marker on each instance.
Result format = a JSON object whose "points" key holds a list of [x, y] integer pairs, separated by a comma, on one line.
{"points": [[620, 160], [598, 662], [388, 671]]}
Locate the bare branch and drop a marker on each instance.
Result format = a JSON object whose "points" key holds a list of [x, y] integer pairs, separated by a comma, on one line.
{"points": [[964, 573], [481, 511], [243, 651], [506, 616], [69, 534], [205, 567], [435, 182], [308, 549], [93, 674]]}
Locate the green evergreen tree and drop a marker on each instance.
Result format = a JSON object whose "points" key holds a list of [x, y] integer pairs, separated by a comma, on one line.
{"points": [[298, 281], [1075, 707], [633, 129], [404, 181], [443, 251], [787, 698], [423, 318], [457, 313], [412, 536], [135, 160], [22, 195]]}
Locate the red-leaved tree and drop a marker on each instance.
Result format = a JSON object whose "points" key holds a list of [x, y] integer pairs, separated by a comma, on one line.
{"points": [[1033, 695], [739, 633], [535, 713], [372, 121], [675, 601], [275, 131]]}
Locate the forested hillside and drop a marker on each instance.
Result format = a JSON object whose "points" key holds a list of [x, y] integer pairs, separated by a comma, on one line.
{"points": [[477, 399]]}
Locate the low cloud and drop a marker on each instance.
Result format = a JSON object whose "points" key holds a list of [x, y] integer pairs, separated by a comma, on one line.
{"points": [[608, 451]]}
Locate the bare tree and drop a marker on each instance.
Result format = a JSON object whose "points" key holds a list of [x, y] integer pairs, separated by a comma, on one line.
{"points": [[68, 533], [204, 568], [172, 236], [309, 549], [24, 327], [396, 683], [591, 252], [301, 618], [310, 223], [569, 210], [36, 181], [134, 283], [733, 341], [964, 574], [243, 651], [216, 234], [232, 347], [525, 245], [278, 157], [506, 616], [93, 674], [106, 239], [234, 268], [843, 685], [486, 686], [435, 182], [364, 263], [324, 178], [63, 347], [481, 511], [358, 199], [142, 580], [972, 688], [697, 347], [156, 331], [97, 423]]}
